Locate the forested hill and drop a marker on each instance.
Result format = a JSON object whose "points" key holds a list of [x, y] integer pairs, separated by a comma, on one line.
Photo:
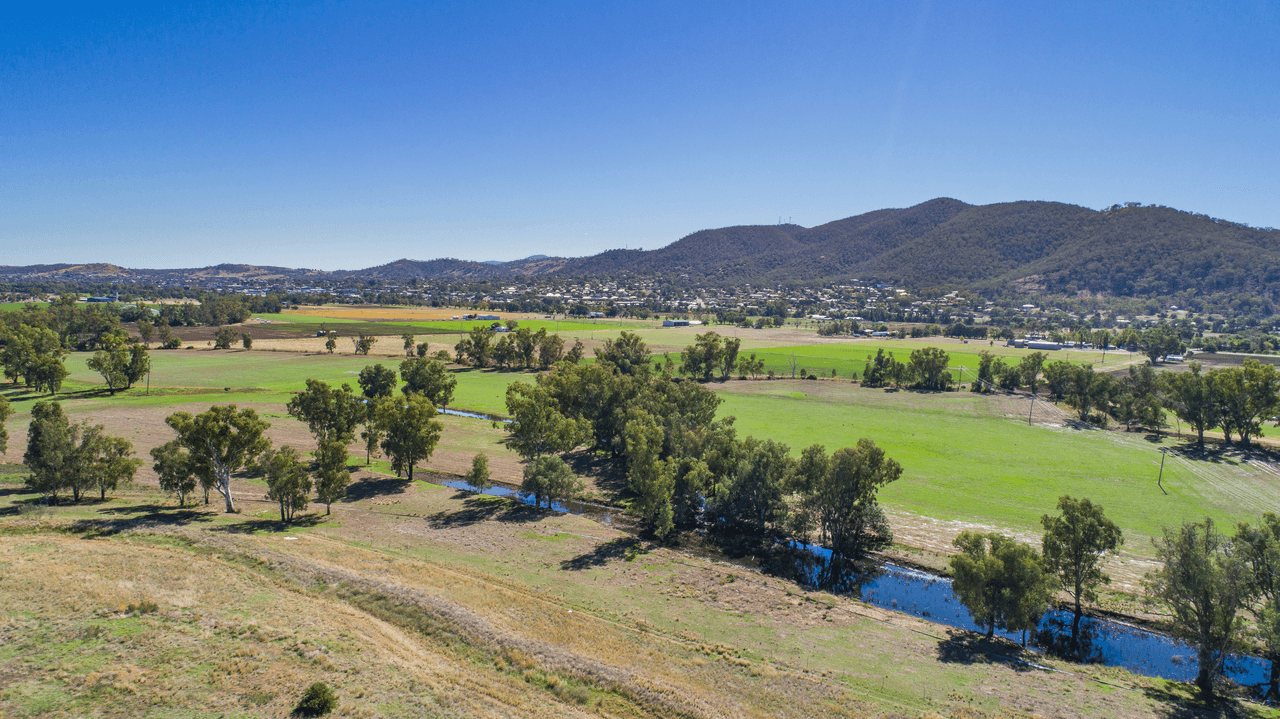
{"points": [[1032, 246], [1050, 246]]}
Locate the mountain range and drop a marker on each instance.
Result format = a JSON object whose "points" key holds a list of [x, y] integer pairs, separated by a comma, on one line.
{"points": [[1128, 250]]}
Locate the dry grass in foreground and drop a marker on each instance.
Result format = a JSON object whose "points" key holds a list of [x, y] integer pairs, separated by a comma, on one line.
{"points": [[443, 604]]}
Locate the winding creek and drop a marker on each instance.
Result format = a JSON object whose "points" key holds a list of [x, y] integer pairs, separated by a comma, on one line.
{"points": [[929, 597]]}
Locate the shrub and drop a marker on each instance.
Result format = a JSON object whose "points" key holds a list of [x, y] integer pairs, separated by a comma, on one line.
{"points": [[142, 606], [316, 701]]}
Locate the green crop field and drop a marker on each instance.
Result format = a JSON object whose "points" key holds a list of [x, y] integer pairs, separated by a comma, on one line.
{"points": [[964, 460], [272, 376], [347, 325], [847, 358], [301, 319]]}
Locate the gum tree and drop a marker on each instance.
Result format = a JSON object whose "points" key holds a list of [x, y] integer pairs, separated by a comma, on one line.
{"points": [[221, 441], [1075, 544]]}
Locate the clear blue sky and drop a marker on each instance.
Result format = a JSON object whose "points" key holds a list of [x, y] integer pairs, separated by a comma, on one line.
{"points": [[344, 135]]}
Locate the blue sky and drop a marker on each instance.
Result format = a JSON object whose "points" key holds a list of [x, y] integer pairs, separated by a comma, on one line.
{"points": [[344, 135]]}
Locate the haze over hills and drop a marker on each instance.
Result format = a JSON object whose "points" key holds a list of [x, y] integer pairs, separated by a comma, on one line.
{"points": [[1043, 246]]}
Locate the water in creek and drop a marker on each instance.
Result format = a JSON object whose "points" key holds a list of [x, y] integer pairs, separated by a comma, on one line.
{"points": [[474, 415], [527, 498], [1111, 643], [929, 596]]}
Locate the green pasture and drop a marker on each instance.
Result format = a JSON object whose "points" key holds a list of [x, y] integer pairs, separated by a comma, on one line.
{"points": [[847, 358], [436, 327], [964, 460], [299, 319], [255, 376]]}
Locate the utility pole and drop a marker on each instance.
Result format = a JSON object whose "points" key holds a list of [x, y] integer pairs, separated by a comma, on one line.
{"points": [[1160, 479], [1031, 409]]}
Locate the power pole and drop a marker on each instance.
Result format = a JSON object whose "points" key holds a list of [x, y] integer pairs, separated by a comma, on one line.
{"points": [[1160, 479]]}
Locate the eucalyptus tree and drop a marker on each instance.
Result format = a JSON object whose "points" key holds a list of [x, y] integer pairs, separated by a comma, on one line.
{"points": [[1001, 582], [429, 378], [221, 441], [288, 483], [410, 431], [1204, 584], [1193, 398], [1076, 543], [331, 413]]}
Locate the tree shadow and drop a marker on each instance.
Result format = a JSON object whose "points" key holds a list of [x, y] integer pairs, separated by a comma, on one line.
{"points": [[1183, 701], [968, 648], [603, 554], [142, 515], [21, 393], [371, 487], [12, 490], [1219, 453], [608, 477], [255, 525], [478, 508]]}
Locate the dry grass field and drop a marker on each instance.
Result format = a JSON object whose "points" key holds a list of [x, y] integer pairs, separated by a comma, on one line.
{"points": [[416, 600]]}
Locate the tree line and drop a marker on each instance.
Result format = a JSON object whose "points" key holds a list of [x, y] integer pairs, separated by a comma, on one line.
{"points": [[212, 446], [518, 348], [688, 470]]}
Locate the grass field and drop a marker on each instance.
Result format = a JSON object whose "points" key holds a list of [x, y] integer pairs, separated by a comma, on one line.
{"points": [[969, 460], [349, 325], [964, 460], [15, 306], [846, 358]]}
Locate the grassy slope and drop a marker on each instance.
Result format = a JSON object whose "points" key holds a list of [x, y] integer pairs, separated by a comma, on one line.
{"points": [[243, 624]]}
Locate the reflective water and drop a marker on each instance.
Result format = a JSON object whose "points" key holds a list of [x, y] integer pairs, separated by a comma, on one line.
{"points": [[929, 596], [1111, 643], [476, 415], [570, 507]]}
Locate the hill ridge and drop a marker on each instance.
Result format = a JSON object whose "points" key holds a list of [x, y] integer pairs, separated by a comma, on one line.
{"points": [[1126, 250]]}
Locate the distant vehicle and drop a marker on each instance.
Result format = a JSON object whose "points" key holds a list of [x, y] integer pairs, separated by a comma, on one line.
{"points": [[1043, 345], [1173, 358]]}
